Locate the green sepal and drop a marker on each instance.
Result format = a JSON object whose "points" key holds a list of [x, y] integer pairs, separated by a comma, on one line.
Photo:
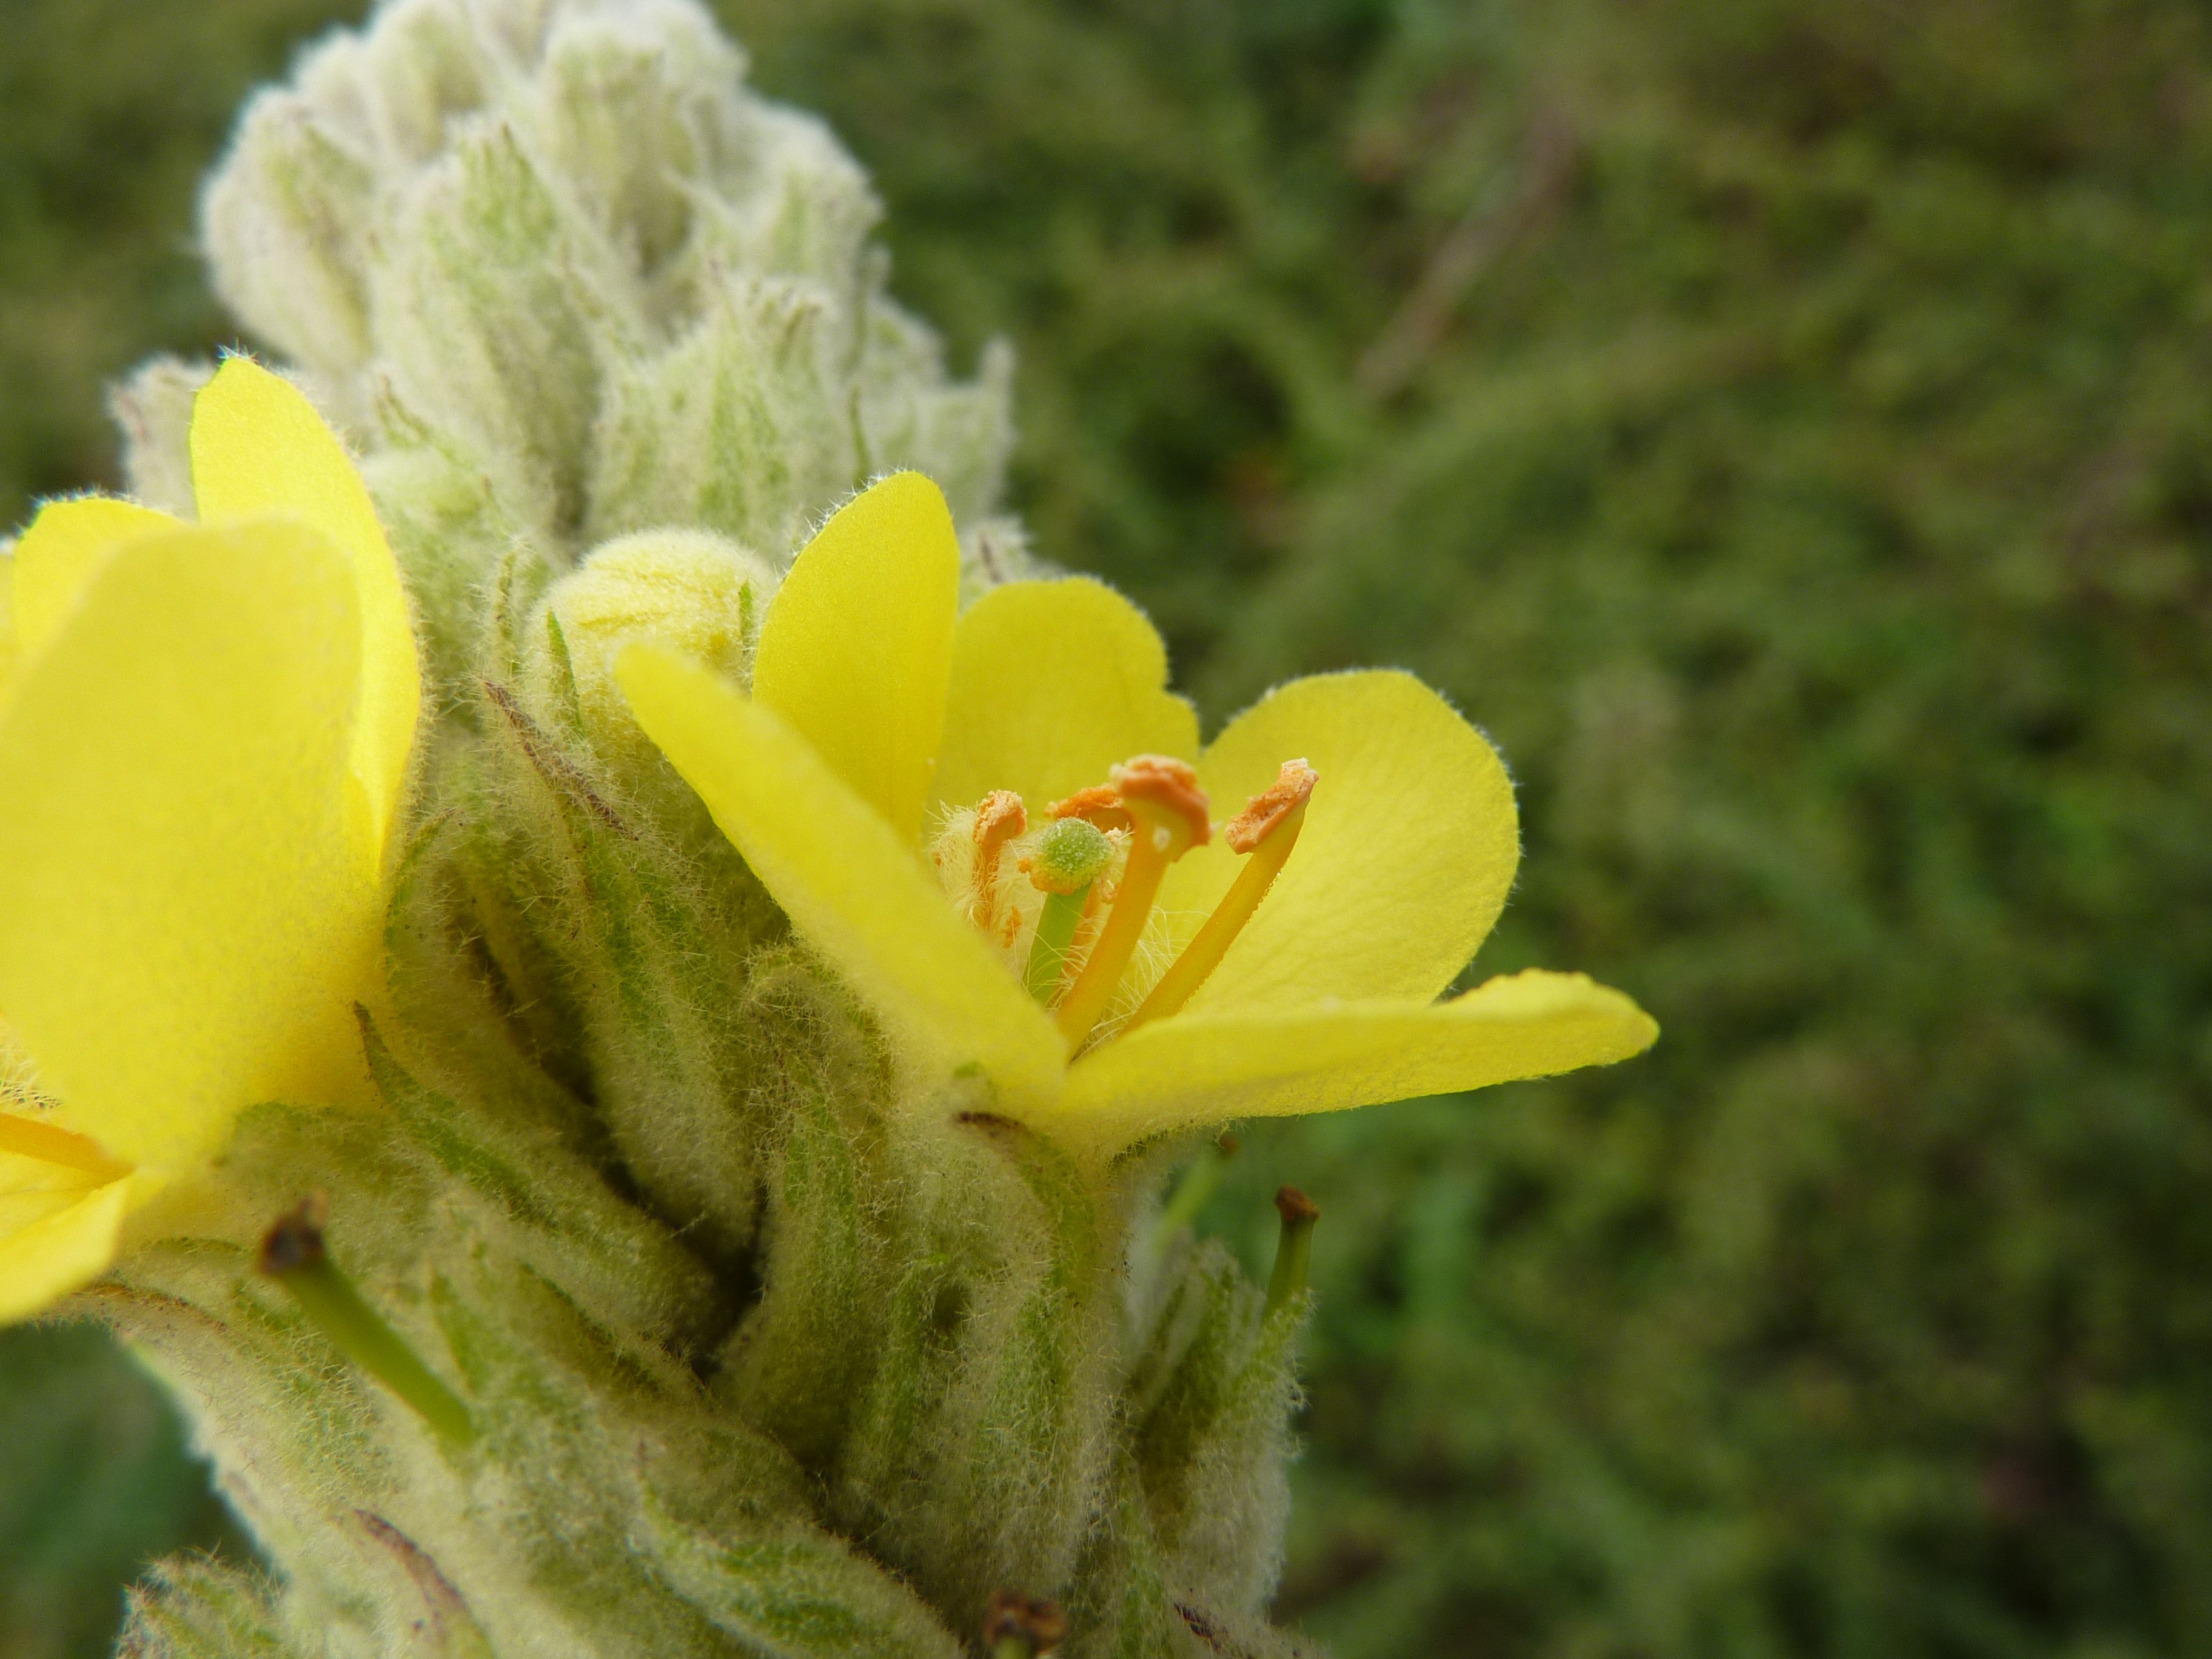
{"points": [[205, 1609], [803, 1359], [647, 972]]}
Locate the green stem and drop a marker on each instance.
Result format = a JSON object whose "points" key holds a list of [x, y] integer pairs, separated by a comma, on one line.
{"points": [[1161, 838], [1294, 1254], [1055, 936], [294, 1254], [1197, 1187]]}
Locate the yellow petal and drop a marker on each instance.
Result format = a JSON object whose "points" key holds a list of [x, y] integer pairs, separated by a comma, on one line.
{"points": [[1407, 854], [856, 644], [10, 650], [52, 1241], [187, 912], [59, 553], [258, 447], [1199, 1069], [852, 887], [1053, 682]]}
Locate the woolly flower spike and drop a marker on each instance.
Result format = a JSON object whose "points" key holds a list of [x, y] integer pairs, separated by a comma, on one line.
{"points": [[203, 733], [1318, 930]]}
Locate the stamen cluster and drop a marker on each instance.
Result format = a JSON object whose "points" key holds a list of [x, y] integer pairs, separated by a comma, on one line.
{"points": [[1088, 907]]}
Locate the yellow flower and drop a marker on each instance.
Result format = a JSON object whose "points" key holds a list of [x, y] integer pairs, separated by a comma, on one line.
{"points": [[204, 735], [881, 714]]}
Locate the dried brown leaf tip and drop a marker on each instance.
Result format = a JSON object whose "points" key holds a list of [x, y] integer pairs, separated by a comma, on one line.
{"points": [[1294, 1205], [295, 1240], [1022, 1626]]}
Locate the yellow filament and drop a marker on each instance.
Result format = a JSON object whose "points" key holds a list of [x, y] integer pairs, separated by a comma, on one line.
{"points": [[28, 1138], [1212, 941], [1162, 836]]}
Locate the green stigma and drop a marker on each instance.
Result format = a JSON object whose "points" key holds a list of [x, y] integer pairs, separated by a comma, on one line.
{"points": [[1071, 855]]}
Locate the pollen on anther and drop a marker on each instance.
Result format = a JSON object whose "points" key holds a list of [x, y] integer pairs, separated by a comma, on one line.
{"points": [[1163, 781], [1268, 809], [999, 818], [1100, 804]]}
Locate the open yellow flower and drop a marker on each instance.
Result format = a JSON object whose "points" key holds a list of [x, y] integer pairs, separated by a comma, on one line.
{"points": [[204, 735], [884, 721]]}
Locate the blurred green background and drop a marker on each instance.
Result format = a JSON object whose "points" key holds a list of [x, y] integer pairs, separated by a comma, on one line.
{"points": [[1787, 427]]}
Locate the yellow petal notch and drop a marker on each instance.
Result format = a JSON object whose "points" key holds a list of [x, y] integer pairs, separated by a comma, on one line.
{"points": [[60, 553], [1053, 684]]}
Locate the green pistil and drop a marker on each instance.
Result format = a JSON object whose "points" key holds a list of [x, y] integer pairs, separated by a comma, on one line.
{"points": [[1070, 855], [1055, 936], [1199, 1184], [1294, 1254], [293, 1254]]}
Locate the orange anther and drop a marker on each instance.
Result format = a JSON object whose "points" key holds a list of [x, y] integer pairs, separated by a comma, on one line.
{"points": [[999, 818], [1162, 781], [1100, 803], [1265, 811], [1265, 831], [1168, 809]]}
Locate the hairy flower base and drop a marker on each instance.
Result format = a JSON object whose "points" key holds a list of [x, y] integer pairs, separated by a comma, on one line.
{"points": [[1093, 876], [946, 1357]]}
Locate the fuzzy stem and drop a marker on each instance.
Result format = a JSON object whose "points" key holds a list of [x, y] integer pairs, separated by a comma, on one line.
{"points": [[1199, 1182]]}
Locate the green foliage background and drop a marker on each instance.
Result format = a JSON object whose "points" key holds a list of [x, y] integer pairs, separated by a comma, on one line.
{"points": [[1784, 427]]}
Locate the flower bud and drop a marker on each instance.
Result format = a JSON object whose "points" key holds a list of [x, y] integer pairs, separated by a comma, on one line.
{"points": [[561, 246], [688, 590]]}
